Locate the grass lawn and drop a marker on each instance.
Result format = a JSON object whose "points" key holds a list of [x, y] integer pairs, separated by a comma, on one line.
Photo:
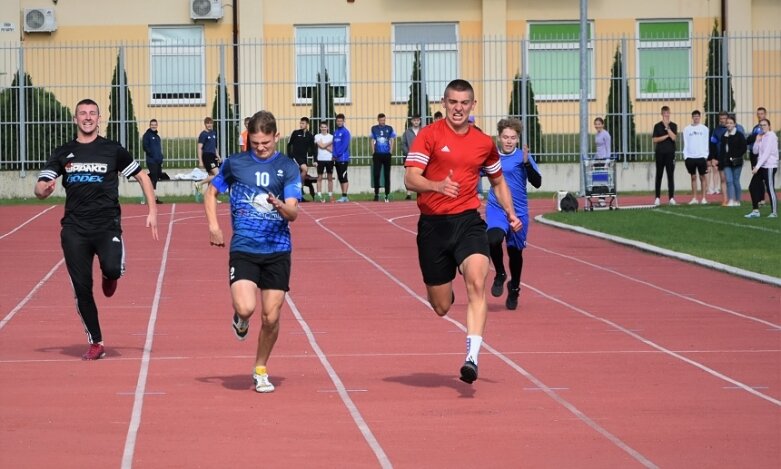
{"points": [[712, 232]]}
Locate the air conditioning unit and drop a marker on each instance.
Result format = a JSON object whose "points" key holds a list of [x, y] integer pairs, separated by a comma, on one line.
{"points": [[39, 20], [205, 9]]}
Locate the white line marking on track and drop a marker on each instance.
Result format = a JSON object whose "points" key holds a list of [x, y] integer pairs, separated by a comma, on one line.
{"points": [[536, 381], [652, 344], [28, 221], [718, 222], [27, 298], [138, 401], [382, 458], [657, 287]]}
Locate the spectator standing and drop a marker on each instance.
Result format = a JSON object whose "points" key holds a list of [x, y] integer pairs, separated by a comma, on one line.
{"points": [[153, 149], [382, 137], [695, 155], [756, 186], [766, 149], [325, 162], [733, 150], [602, 140], [664, 135], [301, 145], [207, 153], [342, 156], [243, 136], [408, 138]]}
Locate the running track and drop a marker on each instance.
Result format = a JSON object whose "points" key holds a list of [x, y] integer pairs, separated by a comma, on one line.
{"points": [[615, 358]]}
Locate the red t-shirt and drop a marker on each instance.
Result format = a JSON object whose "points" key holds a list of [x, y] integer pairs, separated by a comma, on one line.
{"points": [[437, 150]]}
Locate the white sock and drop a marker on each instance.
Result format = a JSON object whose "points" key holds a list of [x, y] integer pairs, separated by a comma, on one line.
{"points": [[473, 343]]}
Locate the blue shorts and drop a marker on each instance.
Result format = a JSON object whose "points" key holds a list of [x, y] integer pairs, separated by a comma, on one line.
{"points": [[496, 218]]}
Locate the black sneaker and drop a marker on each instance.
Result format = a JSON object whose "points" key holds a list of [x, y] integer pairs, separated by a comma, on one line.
{"points": [[498, 287], [240, 327], [376, 198], [109, 286], [512, 296], [468, 372]]}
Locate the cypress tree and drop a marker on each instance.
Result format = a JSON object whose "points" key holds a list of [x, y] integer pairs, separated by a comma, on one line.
{"points": [[133, 143], [417, 94], [327, 115], [231, 126], [714, 85], [532, 125], [613, 122]]}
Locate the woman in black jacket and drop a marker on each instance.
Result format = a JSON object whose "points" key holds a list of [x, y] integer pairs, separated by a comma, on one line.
{"points": [[733, 148]]}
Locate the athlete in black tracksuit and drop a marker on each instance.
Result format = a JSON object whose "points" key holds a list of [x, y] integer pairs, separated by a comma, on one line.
{"points": [[90, 166]]}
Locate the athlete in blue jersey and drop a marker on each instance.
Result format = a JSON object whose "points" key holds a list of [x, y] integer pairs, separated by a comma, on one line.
{"points": [[265, 187], [518, 167]]}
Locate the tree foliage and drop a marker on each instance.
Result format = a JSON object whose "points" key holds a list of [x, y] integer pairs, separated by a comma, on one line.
{"points": [[714, 83], [532, 125], [115, 123], [232, 125], [48, 123], [323, 111], [614, 123], [418, 102]]}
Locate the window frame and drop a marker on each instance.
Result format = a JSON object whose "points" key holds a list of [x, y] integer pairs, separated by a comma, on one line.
{"points": [[561, 45], [429, 47], [664, 44], [197, 50], [314, 49]]}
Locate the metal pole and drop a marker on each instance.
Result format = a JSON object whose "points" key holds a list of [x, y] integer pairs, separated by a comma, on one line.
{"points": [[22, 115], [122, 98], [524, 91], [624, 104], [222, 109], [323, 90], [583, 93], [725, 104], [422, 90]]}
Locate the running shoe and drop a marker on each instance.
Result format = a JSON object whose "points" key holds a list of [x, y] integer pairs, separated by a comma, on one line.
{"points": [[109, 287], [704, 201], [376, 198], [773, 215], [408, 197], [512, 296], [94, 352], [262, 383], [672, 202], [498, 287], [753, 214], [342, 199], [468, 372], [657, 202], [240, 327], [387, 199], [694, 202]]}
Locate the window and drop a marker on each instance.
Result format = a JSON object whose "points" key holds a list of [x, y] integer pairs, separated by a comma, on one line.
{"points": [[554, 60], [664, 59], [437, 46], [177, 65], [322, 50]]}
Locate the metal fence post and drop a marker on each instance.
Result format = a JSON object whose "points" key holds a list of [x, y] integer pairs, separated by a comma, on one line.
{"points": [[122, 98], [624, 104], [222, 110], [423, 101], [22, 115], [524, 84], [583, 93]]}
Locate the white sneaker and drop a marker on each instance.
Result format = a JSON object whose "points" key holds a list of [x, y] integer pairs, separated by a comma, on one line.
{"points": [[735, 203], [657, 202], [672, 202], [773, 215], [262, 384], [704, 201], [693, 202], [753, 214]]}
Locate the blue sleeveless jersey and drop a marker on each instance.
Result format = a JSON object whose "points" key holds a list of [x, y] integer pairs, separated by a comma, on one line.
{"points": [[257, 227], [515, 175]]}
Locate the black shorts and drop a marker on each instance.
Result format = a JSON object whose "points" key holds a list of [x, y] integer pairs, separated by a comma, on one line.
{"points": [[268, 271], [300, 159], [444, 241], [341, 171], [327, 166], [210, 161], [699, 165]]}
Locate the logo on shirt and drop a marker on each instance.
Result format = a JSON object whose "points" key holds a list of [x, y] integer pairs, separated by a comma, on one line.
{"points": [[70, 156], [445, 149], [115, 239], [280, 173]]}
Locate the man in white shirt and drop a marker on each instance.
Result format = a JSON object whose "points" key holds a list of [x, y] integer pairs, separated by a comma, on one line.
{"points": [[695, 155], [325, 161]]}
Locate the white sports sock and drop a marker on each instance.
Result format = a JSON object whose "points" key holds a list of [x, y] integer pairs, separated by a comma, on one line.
{"points": [[473, 343]]}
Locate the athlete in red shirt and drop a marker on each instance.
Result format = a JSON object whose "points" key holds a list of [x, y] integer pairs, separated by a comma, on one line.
{"points": [[443, 167]]}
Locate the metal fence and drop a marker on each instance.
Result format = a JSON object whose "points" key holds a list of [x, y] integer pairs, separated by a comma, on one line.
{"points": [[180, 84]]}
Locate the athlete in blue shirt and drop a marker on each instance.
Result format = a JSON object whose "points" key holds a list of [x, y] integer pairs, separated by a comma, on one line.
{"points": [[265, 187], [518, 167], [382, 147], [341, 149]]}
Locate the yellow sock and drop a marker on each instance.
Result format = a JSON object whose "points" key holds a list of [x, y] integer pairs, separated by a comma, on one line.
{"points": [[260, 370]]}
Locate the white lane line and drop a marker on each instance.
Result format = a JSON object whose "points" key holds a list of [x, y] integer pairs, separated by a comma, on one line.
{"points": [[138, 400], [536, 381], [379, 453], [657, 287], [663, 252], [718, 222], [652, 344], [29, 296], [28, 221]]}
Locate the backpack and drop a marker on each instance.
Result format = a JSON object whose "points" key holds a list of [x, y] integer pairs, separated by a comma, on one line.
{"points": [[569, 203]]}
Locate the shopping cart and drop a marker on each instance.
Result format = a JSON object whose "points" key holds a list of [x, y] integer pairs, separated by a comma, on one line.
{"points": [[600, 184]]}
